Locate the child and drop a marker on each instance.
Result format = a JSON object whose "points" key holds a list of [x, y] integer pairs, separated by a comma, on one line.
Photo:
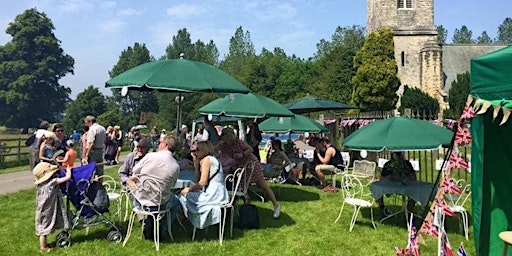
{"points": [[50, 211], [70, 157], [46, 149]]}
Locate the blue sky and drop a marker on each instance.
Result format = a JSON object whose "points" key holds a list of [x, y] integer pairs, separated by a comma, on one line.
{"points": [[95, 32]]}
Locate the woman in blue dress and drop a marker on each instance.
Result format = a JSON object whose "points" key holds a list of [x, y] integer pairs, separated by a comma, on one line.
{"points": [[201, 202]]}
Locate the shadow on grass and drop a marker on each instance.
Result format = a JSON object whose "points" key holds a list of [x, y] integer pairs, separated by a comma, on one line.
{"points": [[290, 193]]}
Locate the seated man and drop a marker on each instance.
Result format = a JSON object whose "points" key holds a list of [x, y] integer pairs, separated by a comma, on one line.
{"points": [[161, 166], [328, 163], [398, 170], [125, 172]]}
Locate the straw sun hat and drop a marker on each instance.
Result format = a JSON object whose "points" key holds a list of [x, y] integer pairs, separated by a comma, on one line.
{"points": [[43, 171]]}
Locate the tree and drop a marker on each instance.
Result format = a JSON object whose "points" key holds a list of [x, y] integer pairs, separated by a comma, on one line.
{"points": [[458, 94], [442, 34], [505, 32], [419, 102], [376, 80], [136, 101], [351, 37], [463, 36], [241, 51], [89, 102], [484, 38], [32, 64]]}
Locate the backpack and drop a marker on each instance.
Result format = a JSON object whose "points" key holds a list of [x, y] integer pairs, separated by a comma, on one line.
{"points": [[30, 140], [248, 217]]}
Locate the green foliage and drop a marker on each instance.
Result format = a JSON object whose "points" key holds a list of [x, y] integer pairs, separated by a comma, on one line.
{"points": [[463, 36], [241, 51], [419, 102], [458, 95], [376, 80], [89, 102], [442, 34], [505, 32], [349, 37], [31, 65], [484, 38]]}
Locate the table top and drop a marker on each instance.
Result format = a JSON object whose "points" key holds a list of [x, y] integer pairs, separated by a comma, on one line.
{"points": [[187, 178], [419, 191]]}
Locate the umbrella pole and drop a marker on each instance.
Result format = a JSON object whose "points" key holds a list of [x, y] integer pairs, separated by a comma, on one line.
{"points": [[178, 115]]}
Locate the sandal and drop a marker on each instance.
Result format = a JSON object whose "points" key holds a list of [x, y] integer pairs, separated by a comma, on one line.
{"points": [[330, 188], [45, 250]]}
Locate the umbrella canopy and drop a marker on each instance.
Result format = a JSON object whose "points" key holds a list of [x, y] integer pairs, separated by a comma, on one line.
{"points": [[179, 75], [297, 123], [399, 134], [245, 105], [309, 104]]}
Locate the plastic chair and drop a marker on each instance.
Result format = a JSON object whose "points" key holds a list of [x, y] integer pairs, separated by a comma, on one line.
{"points": [[354, 194], [234, 179], [364, 169], [154, 188], [456, 204]]}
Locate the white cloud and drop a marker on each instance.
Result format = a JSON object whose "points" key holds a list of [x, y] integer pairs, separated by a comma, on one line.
{"points": [[185, 11], [108, 4], [75, 5], [128, 12], [111, 26]]}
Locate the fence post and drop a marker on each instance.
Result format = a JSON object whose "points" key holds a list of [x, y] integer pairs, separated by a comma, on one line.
{"points": [[19, 149]]}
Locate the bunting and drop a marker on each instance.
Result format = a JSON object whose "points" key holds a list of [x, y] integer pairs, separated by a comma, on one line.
{"points": [[462, 136], [450, 187], [456, 161]]}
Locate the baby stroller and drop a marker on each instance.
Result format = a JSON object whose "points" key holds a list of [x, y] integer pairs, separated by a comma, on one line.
{"points": [[110, 151], [90, 200]]}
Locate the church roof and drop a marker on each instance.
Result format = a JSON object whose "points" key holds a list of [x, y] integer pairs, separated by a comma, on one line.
{"points": [[456, 59]]}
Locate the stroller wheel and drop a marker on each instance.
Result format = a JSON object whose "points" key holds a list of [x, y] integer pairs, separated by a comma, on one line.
{"points": [[64, 241], [114, 236], [62, 234]]}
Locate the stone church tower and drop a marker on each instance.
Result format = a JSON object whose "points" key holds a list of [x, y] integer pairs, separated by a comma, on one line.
{"points": [[417, 53]]}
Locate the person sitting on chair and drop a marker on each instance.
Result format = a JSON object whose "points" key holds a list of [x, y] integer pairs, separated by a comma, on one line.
{"points": [[398, 170], [125, 172], [328, 163], [277, 159]]}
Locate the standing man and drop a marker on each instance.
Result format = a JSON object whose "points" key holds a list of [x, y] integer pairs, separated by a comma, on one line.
{"points": [[209, 132], [34, 147], [96, 137], [125, 172], [164, 168]]}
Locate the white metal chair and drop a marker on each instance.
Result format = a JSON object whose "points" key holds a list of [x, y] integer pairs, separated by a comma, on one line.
{"points": [[154, 190], [110, 185], [456, 204], [364, 169], [342, 169], [354, 194], [243, 190], [233, 179]]}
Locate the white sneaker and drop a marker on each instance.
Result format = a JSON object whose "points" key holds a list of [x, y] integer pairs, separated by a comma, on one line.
{"points": [[277, 211]]}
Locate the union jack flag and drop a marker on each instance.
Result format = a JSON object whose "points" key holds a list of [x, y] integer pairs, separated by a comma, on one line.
{"points": [[448, 186], [456, 161], [430, 229], [461, 251], [468, 112], [446, 249], [440, 203], [463, 136], [412, 244]]}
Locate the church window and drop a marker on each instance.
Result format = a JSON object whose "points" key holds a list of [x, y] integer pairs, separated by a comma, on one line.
{"points": [[404, 4], [402, 58]]}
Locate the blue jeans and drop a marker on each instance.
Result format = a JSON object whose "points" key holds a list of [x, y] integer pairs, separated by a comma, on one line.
{"points": [[173, 204]]}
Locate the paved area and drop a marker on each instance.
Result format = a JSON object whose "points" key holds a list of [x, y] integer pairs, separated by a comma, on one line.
{"points": [[17, 181]]}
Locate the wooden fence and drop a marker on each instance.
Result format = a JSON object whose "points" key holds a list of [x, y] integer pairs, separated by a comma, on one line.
{"points": [[13, 151]]}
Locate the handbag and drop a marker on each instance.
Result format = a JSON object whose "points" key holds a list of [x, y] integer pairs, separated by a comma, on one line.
{"points": [[30, 140], [248, 217]]}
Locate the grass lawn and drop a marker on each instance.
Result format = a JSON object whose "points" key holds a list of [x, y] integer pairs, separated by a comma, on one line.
{"points": [[306, 227]]}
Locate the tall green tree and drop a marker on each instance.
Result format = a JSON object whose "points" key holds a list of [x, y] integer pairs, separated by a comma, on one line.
{"points": [[505, 32], [89, 102], [419, 102], [241, 51], [484, 38], [442, 34], [31, 65], [458, 94], [376, 80], [136, 101], [350, 37], [463, 36]]}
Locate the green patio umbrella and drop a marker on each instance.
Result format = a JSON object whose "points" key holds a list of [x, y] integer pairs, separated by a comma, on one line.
{"points": [[297, 123], [399, 134], [309, 104], [245, 105], [180, 75]]}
